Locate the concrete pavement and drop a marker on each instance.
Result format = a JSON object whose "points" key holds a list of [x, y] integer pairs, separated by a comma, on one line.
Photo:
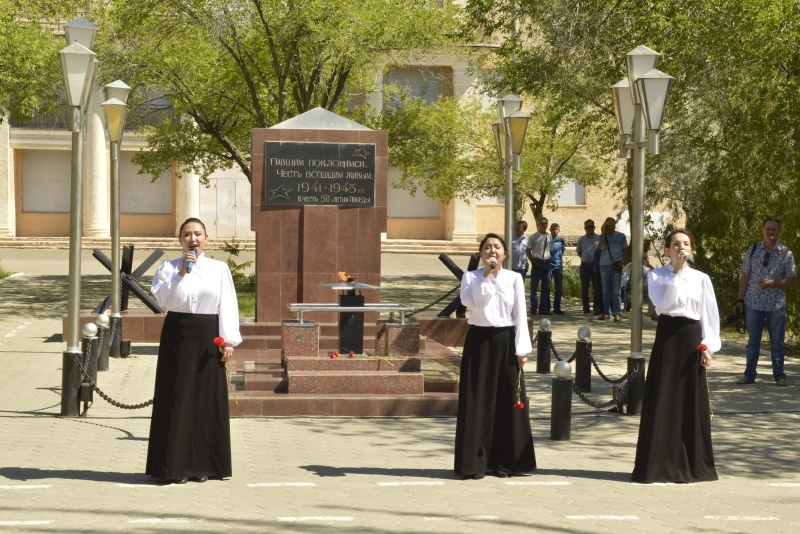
{"points": [[374, 474]]}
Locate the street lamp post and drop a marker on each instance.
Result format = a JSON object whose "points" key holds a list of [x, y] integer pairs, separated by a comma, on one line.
{"points": [[639, 103], [509, 138], [79, 67], [115, 112]]}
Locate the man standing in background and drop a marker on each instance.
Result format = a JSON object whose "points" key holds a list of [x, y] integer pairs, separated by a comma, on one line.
{"points": [[519, 260], [538, 253], [557, 248], [587, 244], [767, 270]]}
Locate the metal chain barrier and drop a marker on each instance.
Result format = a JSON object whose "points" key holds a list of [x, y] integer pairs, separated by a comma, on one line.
{"points": [[105, 397], [555, 353], [619, 380], [599, 406], [614, 401], [435, 302]]}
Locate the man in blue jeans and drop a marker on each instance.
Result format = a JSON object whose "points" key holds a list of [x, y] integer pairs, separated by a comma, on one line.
{"points": [[767, 270], [612, 246], [538, 253]]}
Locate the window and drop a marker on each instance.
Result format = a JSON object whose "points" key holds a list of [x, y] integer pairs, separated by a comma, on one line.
{"points": [[572, 193]]}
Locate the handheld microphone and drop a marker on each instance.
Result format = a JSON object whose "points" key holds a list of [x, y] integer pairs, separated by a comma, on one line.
{"points": [[190, 265], [690, 261], [493, 264]]}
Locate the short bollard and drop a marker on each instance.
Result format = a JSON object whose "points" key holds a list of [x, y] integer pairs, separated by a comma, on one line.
{"points": [[636, 373], [70, 383], [561, 405], [115, 340], [89, 346], [544, 341], [583, 363], [103, 341]]}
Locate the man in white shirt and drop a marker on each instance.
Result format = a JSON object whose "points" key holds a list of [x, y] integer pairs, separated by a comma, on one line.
{"points": [[539, 255]]}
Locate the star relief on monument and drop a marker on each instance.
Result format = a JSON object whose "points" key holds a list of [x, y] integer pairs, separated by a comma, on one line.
{"points": [[280, 192], [361, 153]]}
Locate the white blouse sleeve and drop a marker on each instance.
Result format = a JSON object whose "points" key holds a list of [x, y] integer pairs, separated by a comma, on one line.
{"points": [[166, 284], [519, 314], [477, 291], [709, 316], [228, 309]]}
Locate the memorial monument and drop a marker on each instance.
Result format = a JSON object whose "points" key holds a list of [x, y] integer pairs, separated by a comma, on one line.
{"points": [[318, 208]]}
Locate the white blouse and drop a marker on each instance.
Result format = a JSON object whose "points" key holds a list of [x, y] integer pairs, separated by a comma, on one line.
{"points": [[497, 301], [686, 294], [208, 289]]}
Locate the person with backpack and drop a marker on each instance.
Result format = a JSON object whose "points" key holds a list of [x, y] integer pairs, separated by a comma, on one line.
{"points": [[768, 269]]}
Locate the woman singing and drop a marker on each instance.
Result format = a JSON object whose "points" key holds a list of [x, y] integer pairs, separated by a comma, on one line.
{"points": [[190, 427], [675, 430], [492, 434]]}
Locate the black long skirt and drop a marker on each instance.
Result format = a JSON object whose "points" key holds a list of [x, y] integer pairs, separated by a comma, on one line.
{"points": [[491, 434], [190, 427], [675, 430]]}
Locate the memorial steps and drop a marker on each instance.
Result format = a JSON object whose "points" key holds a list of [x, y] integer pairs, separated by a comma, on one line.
{"points": [[360, 386], [322, 386]]}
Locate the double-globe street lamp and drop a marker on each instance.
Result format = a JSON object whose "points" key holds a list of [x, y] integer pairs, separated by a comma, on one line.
{"points": [[79, 67], [115, 111], [509, 138], [639, 103]]}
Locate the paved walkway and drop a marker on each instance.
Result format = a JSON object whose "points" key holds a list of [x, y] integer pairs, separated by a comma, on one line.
{"points": [[369, 475]]}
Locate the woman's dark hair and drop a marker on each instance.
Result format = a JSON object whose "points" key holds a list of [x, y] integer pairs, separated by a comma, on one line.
{"points": [[192, 220], [487, 236], [668, 239]]}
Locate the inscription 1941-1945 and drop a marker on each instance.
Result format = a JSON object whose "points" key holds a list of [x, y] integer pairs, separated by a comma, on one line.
{"points": [[322, 174]]}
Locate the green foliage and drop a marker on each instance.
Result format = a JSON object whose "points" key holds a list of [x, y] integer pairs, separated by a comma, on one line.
{"points": [[243, 281], [230, 66], [30, 72], [443, 148], [729, 149]]}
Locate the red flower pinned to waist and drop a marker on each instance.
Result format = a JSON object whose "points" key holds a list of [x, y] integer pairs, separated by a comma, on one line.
{"points": [[219, 342]]}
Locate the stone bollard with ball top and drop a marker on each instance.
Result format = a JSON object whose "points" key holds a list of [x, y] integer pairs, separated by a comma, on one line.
{"points": [[583, 362], [561, 404], [103, 341], [544, 343]]}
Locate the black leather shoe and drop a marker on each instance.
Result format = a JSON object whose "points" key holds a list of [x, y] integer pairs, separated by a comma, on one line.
{"points": [[476, 476], [181, 480], [501, 473], [200, 479]]}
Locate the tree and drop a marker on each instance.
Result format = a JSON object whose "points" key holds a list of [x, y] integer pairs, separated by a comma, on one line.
{"points": [[30, 74], [729, 147], [570, 135], [227, 67]]}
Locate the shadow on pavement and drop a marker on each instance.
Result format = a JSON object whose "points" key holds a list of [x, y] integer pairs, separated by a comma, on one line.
{"points": [[330, 471], [33, 473], [45, 297]]}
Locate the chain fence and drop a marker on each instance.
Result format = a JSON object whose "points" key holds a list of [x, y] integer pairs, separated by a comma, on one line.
{"points": [[622, 392], [103, 395], [435, 302]]}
